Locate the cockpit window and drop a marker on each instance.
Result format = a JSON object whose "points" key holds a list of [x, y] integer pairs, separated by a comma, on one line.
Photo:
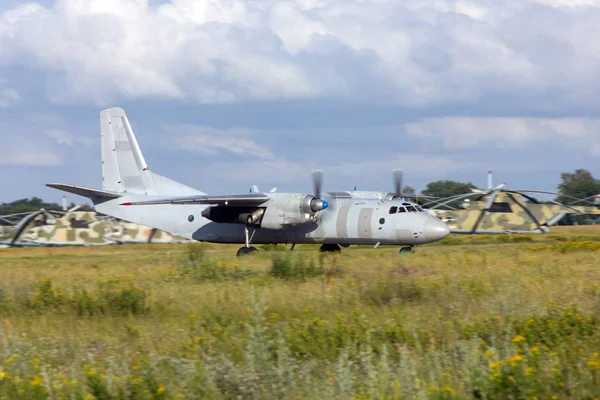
{"points": [[500, 207], [411, 209], [419, 209], [401, 209], [393, 210], [78, 224]]}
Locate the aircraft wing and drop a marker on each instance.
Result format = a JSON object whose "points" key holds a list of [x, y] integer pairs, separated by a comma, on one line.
{"points": [[249, 199], [85, 192]]}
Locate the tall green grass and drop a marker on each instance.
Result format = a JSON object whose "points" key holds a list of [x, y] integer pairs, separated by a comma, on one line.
{"points": [[516, 321]]}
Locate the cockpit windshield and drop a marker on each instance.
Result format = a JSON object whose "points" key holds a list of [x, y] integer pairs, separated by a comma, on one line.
{"points": [[406, 207]]}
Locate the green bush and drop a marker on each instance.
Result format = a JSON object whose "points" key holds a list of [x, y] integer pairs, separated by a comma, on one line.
{"points": [[287, 266]]}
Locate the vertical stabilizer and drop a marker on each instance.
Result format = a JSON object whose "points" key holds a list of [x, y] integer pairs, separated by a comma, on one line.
{"points": [[124, 168]]}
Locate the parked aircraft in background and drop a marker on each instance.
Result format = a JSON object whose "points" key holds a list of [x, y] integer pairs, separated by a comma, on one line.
{"points": [[75, 228], [501, 210]]}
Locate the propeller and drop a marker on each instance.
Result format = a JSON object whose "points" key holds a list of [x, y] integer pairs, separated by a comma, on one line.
{"points": [[398, 180], [317, 204]]}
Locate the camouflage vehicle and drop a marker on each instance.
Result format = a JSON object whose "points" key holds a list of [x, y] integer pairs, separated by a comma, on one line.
{"points": [[7, 230], [503, 211], [10, 225], [87, 228]]}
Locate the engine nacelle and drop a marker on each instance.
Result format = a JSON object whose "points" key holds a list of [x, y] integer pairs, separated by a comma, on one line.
{"points": [[251, 218], [289, 209], [282, 211]]}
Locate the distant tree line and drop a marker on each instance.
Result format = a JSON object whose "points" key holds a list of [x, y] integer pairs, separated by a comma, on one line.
{"points": [[33, 204]]}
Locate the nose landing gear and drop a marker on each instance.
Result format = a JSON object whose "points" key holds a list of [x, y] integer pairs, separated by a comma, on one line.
{"points": [[406, 249], [330, 248], [247, 250]]}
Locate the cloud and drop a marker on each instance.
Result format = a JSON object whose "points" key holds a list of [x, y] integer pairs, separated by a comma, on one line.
{"points": [[8, 97], [404, 53], [30, 158], [461, 133], [209, 140], [63, 137], [286, 171]]}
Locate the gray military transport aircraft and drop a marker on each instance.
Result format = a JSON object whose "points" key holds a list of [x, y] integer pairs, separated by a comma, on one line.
{"points": [[130, 191]]}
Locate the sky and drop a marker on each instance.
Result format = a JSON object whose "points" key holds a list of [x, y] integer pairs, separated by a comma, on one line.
{"points": [[224, 94]]}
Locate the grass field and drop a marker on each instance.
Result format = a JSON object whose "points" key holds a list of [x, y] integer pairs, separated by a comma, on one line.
{"points": [[502, 317]]}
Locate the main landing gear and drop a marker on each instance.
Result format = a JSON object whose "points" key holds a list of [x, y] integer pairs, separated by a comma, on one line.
{"points": [[407, 249], [330, 248], [247, 249]]}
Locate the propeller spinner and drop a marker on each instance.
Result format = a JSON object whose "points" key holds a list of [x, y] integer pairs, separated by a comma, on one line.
{"points": [[317, 204]]}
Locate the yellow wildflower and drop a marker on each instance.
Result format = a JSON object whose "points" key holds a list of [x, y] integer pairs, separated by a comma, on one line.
{"points": [[518, 339], [494, 364], [36, 381], [449, 390], [160, 389], [593, 364]]}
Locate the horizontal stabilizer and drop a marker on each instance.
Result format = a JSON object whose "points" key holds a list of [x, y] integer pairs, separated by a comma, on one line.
{"points": [[85, 192], [250, 199]]}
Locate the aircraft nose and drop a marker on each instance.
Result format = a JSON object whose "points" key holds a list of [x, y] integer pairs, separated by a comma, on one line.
{"points": [[435, 229]]}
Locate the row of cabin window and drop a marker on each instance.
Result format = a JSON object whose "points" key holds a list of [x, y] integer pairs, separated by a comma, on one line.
{"points": [[394, 210]]}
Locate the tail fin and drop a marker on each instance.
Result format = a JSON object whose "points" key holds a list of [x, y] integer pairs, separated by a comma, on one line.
{"points": [[124, 168]]}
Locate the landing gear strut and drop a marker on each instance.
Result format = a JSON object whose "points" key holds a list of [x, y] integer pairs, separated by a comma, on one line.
{"points": [[330, 248], [246, 250], [406, 249]]}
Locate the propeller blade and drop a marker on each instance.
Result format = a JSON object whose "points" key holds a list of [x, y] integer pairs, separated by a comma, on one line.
{"points": [[398, 179], [317, 177]]}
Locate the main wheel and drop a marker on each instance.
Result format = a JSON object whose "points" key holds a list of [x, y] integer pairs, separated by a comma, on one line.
{"points": [[244, 251], [330, 248]]}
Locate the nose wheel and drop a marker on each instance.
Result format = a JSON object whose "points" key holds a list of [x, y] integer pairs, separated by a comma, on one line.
{"points": [[247, 249], [408, 249], [330, 248]]}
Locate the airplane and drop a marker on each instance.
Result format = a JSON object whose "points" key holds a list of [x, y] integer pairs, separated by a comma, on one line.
{"points": [[498, 210], [86, 228], [131, 192]]}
